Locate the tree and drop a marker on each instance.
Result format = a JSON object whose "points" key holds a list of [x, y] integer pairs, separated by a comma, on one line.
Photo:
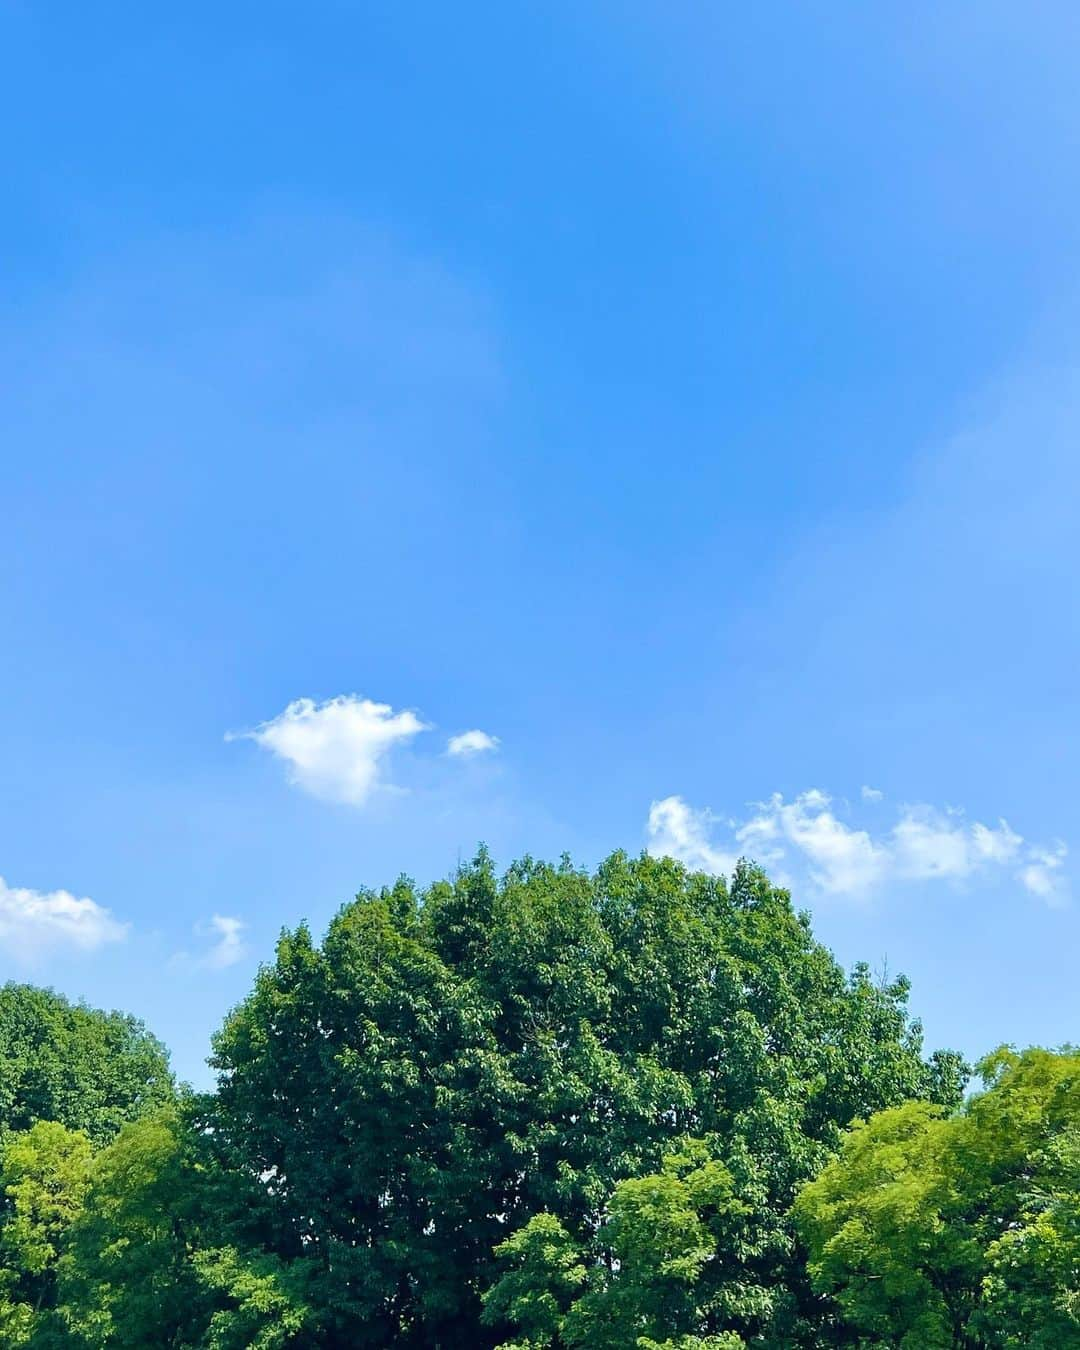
{"points": [[157, 1259], [662, 1276], [667, 1246], [448, 1065], [931, 1230], [544, 1273], [44, 1175], [88, 1070]]}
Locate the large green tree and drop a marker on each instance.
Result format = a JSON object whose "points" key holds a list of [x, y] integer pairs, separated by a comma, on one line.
{"points": [[957, 1232], [448, 1065], [86, 1069]]}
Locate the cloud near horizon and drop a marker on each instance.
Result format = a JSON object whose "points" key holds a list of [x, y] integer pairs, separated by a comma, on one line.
{"points": [[33, 923], [924, 844]]}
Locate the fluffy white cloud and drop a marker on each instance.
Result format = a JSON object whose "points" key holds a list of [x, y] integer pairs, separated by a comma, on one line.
{"points": [[927, 844], [334, 749], [842, 860], [33, 923], [228, 946], [678, 831], [924, 844], [471, 743]]}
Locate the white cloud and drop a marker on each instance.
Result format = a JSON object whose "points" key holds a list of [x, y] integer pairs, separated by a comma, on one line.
{"points": [[334, 749], [843, 861], [926, 844], [923, 845], [1001, 845], [1041, 873], [226, 949], [471, 743], [871, 794], [33, 923], [229, 946], [676, 830]]}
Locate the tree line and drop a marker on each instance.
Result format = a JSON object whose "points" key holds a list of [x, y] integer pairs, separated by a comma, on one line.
{"points": [[638, 1107]]}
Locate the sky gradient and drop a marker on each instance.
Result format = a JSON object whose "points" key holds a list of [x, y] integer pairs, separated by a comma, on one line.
{"points": [[565, 426]]}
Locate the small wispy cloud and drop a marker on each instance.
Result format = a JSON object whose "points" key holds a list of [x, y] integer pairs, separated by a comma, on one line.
{"points": [[924, 844], [871, 794], [228, 946], [469, 743], [335, 750], [1041, 873], [37, 923]]}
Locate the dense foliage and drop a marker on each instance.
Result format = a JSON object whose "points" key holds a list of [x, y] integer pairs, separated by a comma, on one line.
{"points": [[89, 1070], [447, 1066], [959, 1231], [541, 1111], [70, 1078]]}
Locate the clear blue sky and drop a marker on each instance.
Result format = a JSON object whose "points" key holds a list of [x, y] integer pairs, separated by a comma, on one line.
{"points": [[685, 397]]}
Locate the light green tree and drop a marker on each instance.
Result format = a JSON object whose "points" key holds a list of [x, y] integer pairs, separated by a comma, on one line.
{"points": [[654, 1280], [543, 1273], [157, 1258], [44, 1176], [934, 1231]]}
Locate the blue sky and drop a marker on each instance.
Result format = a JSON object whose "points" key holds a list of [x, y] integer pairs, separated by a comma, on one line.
{"points": [[687, 401]]}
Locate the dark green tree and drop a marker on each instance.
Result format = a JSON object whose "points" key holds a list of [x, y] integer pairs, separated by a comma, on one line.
{"points": [[65, 1062], [448, 1065]]}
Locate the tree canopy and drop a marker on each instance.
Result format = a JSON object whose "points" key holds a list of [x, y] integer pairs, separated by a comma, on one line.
{"points": [[935, 1231], [636, 1108], [65, 1062], [449, 1064], [70, 1078]]}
